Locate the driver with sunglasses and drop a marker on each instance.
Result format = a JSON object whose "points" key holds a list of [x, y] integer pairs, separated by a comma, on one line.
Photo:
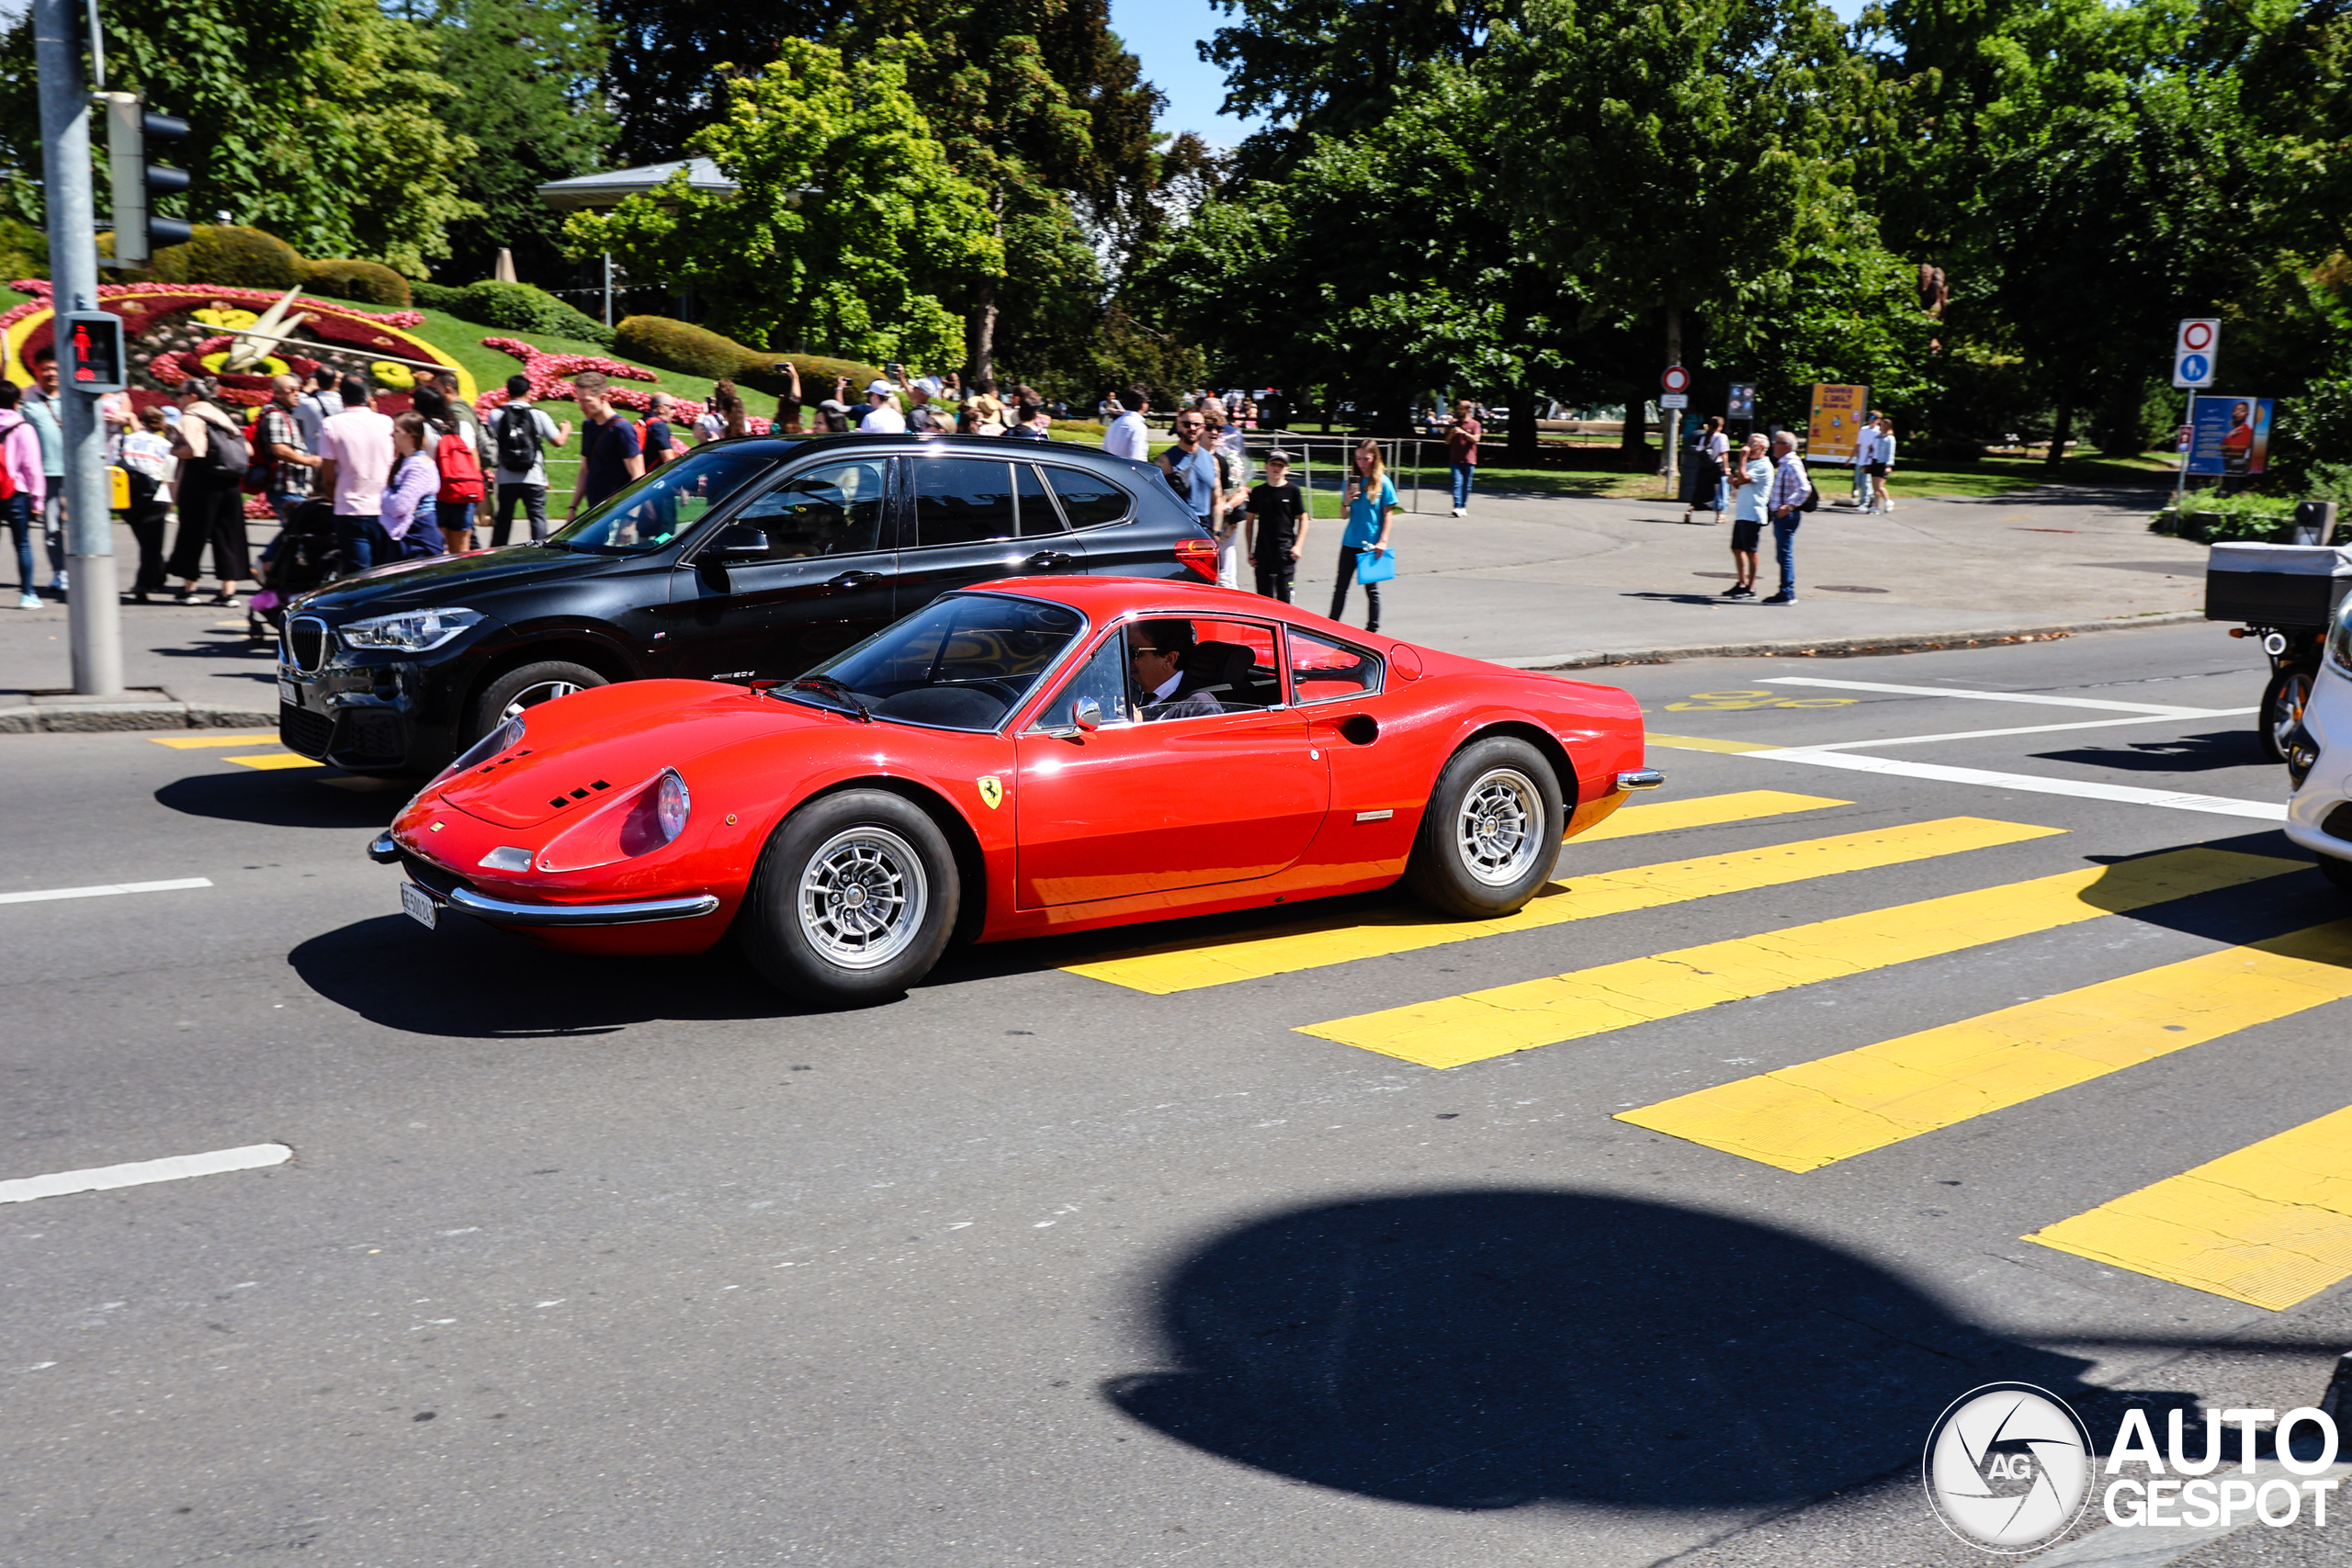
{"points": [[1156, 651]]}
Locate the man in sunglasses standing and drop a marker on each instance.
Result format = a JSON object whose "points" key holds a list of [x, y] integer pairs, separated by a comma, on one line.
{"points": [[1203, 478]]}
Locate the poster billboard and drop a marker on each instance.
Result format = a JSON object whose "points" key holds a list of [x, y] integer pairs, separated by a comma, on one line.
{"points": [[1836, 432], [2229, 436], [1741, 407]]}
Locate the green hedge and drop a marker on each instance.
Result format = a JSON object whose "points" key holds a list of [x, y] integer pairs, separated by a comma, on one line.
{"points": [[231, 256], [364, 282], [698, 351], [517, 306]]}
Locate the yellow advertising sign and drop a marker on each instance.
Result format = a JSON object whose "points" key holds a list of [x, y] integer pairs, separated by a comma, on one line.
{"points": [[1836, 423]]}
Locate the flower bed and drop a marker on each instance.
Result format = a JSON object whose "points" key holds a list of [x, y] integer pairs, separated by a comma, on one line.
{"points": [[550, 376]]}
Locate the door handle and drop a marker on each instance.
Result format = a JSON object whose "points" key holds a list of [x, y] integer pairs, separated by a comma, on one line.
{"points": [[854, 580], [1050, 558]]}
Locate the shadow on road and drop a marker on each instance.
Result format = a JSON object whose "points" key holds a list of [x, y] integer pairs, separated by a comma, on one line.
{"points": [[2181, 755], [474, 982], [1492, 1348], [292, 797]]}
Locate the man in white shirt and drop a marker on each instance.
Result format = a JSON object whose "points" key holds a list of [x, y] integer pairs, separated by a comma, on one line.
{"points": [[357, 447], [1128, 437], [882, 415], [1863, 439], [521, 430]]}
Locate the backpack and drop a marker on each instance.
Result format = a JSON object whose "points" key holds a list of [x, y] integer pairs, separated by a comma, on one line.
{"points": [[461, 469], [519, 440], [8, 474]]}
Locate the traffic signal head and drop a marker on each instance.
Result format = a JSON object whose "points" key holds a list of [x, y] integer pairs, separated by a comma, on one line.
{"points": [[129, 128]]}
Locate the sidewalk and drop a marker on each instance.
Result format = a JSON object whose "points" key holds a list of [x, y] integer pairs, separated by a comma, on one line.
{"points": [[1540, 582]]}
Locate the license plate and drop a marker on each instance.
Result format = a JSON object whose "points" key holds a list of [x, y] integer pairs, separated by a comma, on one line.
{"points": [[422, 906], [289, 693]]}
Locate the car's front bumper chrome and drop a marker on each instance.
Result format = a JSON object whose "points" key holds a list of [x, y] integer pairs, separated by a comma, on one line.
{"points": [[1640, 778], [630, 912], [383, 852]]}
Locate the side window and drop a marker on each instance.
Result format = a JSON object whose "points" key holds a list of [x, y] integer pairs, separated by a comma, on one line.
{"points": [[832, 511], [1195, 669], [1102, 677], [1087, 500], [962, 500], [1037, 513], [1326, 671]]}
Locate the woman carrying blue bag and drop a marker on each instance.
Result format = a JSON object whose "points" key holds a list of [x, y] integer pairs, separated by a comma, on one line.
{"points": [[1364, 555]]}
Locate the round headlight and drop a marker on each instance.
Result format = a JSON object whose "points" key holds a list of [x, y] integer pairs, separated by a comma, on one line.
{"points": [[671, 804]]}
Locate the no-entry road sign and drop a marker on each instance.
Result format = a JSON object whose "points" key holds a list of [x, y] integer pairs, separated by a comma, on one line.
{"points": [[2193, 351], [1675, 379]]}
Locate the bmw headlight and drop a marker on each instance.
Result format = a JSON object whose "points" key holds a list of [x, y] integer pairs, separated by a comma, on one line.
{"points": [[410, 631]]}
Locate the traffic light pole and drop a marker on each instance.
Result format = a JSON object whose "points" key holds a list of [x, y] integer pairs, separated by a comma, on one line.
{"points": [[92, 601]]}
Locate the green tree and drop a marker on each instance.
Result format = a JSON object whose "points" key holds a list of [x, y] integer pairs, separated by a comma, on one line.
{"points": [[844, 204], [318, 121], [674, 62], [526, 74]]}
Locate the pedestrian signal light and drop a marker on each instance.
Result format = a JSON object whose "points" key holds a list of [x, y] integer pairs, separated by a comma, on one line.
{"points": [[129, 128], [93, 359]]}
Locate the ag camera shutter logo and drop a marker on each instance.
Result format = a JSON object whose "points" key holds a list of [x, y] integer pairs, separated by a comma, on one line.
{"points": [[2008, 1468]]}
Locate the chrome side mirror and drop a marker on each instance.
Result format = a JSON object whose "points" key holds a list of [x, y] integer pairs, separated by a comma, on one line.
{"points": [[1087, 714]]}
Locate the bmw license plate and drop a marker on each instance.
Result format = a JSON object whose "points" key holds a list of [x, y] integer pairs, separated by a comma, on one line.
{"points": [[422, 906], [289, 693]]}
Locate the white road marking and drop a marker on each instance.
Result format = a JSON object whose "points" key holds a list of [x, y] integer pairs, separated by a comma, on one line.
{"points": [[2021, 729], [2167, 709], [106, 1177], [105, 890], [2081, 789]]}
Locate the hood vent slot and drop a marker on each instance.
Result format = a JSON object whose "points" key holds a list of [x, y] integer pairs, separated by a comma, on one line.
{"points": [[561, 801]]}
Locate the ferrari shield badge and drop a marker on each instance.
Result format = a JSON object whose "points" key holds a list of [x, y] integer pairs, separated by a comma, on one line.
{"points": [[991, 792]]}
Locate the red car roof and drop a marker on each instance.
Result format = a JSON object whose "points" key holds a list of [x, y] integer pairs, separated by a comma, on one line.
{"points": [[1103, 598]]}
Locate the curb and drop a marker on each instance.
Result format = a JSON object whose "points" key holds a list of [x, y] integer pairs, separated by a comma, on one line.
{"points": [[72, 714], [1849, 647]]}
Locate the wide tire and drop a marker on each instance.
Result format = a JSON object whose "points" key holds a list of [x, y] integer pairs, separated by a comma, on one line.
{"points": [[2283, 701], [1491, 831], [854, 898], [525, 687], [2339, 872]]}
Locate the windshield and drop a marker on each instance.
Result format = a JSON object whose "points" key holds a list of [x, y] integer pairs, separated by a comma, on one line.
{"points": [[667, 501], [961, 663]]}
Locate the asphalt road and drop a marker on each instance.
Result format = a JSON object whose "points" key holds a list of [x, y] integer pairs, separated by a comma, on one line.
{"points": [[620, 1263]]}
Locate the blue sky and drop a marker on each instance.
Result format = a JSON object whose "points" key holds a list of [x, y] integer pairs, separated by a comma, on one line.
{"points": [[1164, 33]]}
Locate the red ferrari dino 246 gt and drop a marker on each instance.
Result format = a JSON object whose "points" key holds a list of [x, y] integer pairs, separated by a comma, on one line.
{"points": [[1031, 756]]}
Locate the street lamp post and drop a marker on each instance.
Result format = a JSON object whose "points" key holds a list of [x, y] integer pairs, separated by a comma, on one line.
{"points": [[94, 623]]}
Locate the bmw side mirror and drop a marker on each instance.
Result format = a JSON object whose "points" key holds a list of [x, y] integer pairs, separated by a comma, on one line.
{"points": [[740, 542], [1087, 714]]}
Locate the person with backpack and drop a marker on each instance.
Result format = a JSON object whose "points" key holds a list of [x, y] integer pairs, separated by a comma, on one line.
{"points": [[23, 486], [1793, 497], [213, 455], [1203, 476], [522, 434], [452, 451]]}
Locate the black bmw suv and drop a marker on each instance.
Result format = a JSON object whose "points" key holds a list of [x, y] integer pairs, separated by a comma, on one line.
{"points": [[745, 560]]}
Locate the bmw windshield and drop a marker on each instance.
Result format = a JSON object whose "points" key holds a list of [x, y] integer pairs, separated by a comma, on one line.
{"points": [[961, 663], [666, 502]]}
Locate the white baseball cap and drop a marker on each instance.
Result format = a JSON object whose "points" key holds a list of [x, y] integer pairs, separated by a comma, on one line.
{"points": [[881, 389]]}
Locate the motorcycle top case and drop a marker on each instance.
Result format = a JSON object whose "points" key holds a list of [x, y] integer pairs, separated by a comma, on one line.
{"points": [[2276, 585]]}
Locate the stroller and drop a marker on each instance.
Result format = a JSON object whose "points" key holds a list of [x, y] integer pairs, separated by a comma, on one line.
{"points": [[303, 556]]}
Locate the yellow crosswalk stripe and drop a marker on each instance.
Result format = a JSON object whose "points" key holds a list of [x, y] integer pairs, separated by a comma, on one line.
{"points": [[206, 740], [1452, 1030], [1698, 744], [2269, 1225], [1311, 945], [1817, 1112], [1703, 811], [271, 760]]}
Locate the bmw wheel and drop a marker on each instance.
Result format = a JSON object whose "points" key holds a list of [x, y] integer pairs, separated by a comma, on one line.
{"points": [[854, 901], [1491, 831], [525, 687]]}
